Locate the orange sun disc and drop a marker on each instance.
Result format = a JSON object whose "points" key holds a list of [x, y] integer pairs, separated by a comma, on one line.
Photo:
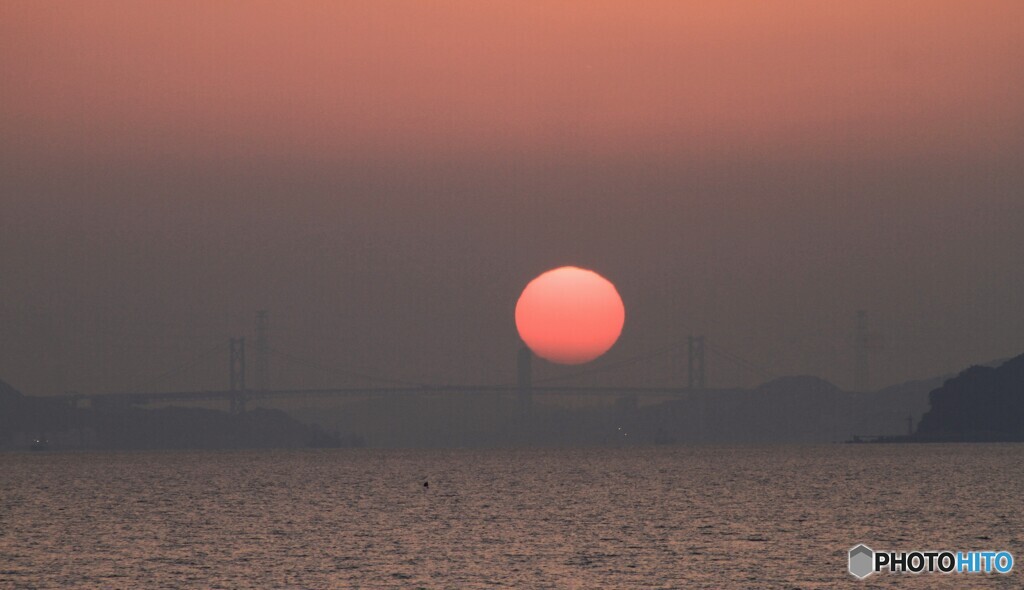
{"points": [[570, 315]]}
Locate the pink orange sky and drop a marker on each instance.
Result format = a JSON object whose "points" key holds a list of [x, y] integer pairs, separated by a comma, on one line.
{"points": [[385, 176], [341, 80]]}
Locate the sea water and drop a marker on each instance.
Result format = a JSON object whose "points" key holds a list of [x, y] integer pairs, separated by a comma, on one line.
{"points": [[672, 517]]}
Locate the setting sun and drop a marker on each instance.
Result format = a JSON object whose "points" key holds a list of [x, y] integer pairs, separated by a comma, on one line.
{"points": [[570, 315]]}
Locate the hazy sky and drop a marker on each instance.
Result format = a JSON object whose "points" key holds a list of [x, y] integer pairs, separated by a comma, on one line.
{"points": [[385, 177]]}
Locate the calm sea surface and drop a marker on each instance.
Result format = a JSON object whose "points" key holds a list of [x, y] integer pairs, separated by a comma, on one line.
{"points": [[743, 517]]}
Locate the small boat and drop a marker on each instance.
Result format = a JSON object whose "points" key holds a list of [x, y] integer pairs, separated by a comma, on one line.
{"points": [[39, 444]]}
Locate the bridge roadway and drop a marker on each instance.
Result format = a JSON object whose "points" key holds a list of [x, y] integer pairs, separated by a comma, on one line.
{"points": [[250, 394]]}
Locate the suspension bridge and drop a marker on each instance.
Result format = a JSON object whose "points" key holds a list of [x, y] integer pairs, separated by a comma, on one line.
{"points": [[239, 394]]}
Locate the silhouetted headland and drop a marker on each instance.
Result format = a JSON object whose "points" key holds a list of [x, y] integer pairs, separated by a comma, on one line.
{"points": [[981, 404], [25, 419]]}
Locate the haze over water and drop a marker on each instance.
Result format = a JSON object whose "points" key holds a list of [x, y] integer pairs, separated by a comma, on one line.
{"points": [[386, 177], [702, 517], [826, 194]]}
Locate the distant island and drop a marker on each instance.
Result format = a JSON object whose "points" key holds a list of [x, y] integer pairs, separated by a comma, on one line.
{"points": [[43, 423], [982, 403]]}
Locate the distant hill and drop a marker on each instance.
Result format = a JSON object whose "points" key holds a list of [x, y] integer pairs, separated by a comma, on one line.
{"points": [[979, 404], [796, 409], [7, 392], [29, 416], [25, 418], [799, 409]]}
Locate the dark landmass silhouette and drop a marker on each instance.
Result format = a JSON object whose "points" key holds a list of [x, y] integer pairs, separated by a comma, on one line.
{"points": [[30, 416], [982, 404], [787, 410], [24, 419], [799, 409]]}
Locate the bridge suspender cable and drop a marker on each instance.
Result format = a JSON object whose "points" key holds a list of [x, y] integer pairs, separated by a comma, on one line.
{"points": [[740, 362], [344, 372], [614, 365], [357, 375]]}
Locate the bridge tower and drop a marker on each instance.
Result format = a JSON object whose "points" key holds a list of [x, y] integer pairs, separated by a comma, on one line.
{"points": [[262, 350], [524, 381], [695, 362], [860, 352], [236, 362]]}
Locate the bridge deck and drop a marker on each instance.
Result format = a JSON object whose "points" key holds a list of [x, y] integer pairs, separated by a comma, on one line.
{"points": [[151, 397]]}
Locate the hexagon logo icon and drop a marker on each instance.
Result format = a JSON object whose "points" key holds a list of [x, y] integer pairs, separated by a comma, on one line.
{"points": [[861, 561]]}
